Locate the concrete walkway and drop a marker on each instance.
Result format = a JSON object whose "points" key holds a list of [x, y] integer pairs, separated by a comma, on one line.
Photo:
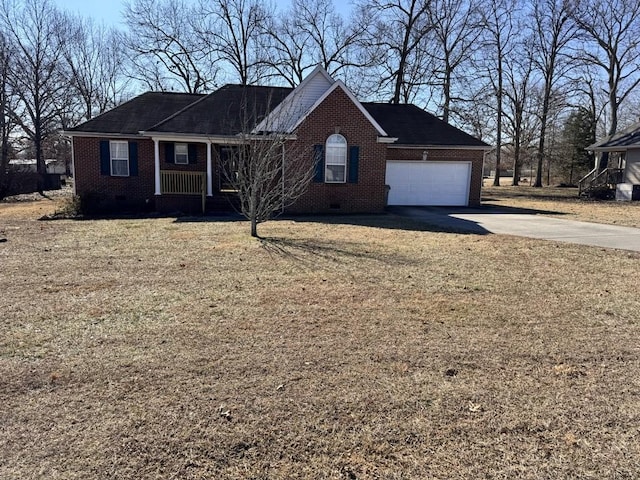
{"points": [[492, 220]]}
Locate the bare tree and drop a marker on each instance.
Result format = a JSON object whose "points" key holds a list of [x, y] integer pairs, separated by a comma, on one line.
{"points": [[164, 50], [6, 122], [310, 33], [95, 61], [456, 29], [612, 28], [268, 173], [267, 169], [518, 82], [34, 28], [499, 33], [233, 30], [553, 32], [396, 40], [288, 46]]}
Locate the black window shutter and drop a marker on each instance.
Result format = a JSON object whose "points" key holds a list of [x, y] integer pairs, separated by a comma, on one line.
{"points": [[318, 158], [169, 155], [105, 158], [354, 154], [133, 158], [193, 153]]}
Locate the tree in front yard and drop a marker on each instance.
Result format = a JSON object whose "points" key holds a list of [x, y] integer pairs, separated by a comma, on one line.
{"points": [[268, 171]]}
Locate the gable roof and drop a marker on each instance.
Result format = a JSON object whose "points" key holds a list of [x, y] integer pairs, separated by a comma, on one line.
{"points": [[305, 98], [138, 114], [288, 115], [356, 102], [227, 111], [234, 108], [620, 141], [413, 126]]}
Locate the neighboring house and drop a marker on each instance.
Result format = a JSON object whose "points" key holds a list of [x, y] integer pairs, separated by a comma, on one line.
{"points": [[22, 177], [160, 150], [28, 165], [617, 165]]}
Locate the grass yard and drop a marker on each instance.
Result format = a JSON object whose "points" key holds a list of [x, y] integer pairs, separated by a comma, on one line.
{"points": [[360, 347]]}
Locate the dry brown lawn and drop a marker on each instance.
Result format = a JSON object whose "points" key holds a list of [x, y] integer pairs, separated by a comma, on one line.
{"points": [[563, 203], [341, 348]]}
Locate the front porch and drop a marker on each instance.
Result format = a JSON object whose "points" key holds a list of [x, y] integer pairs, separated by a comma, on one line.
{"points": [[601, 183], [185, 185], [187, 192], [616, 173]]}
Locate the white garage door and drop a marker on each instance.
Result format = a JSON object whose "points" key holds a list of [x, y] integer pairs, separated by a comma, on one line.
{"points": [[428, 183]]}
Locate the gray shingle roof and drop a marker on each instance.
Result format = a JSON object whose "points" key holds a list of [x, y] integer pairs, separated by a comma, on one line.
{"points": [[626, 138], [413, 126], [221, 113], [227, 111], [138, 114]]}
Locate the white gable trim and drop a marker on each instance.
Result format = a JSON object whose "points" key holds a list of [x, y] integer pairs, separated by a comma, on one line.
{"points": [[316, 71], [297, 103], [341, 85]]}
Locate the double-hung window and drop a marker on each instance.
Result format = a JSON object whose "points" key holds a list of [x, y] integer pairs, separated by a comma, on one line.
{"points": [[119, 158], [182, 154], [336, 159]]}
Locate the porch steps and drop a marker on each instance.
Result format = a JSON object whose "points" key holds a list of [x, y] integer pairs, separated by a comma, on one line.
{"points": [[600, 183], [222, 202]]}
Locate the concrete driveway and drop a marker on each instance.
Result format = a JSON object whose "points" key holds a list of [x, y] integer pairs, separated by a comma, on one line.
{"points": [[486, 220]]}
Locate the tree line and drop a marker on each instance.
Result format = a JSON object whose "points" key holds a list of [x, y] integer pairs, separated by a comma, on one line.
{"points": [[537, 79]]}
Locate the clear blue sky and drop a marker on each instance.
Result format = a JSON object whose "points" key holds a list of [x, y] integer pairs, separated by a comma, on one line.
{"points": [[109, 10]]}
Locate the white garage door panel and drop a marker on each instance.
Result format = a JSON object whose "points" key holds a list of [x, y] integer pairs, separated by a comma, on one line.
{"points": [[428, 183]]}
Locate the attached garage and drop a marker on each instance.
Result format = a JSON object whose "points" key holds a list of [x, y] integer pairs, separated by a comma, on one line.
{"points": [[428, 183]]}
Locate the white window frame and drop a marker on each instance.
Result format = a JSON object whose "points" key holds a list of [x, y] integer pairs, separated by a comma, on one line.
{"points": [[335, 156], [114, 157], [181, 158]]}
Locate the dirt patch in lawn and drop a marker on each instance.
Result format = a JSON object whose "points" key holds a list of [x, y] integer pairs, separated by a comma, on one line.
{"points": [[34, 205], [563, 203], [366, 349]]}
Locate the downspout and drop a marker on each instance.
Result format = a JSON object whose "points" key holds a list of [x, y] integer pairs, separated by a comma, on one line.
{"points": [[73, 168], [283, 186]]}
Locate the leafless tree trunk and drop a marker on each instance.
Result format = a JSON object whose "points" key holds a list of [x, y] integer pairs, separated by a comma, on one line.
{"points": [[613, 26], [396, 42], [35, 28], [233, 29], [164, 50], [553, 32], [268, 172], [268, 169], [456, 29], [95, 62], [518, 75], [6, 123], [498, 43], [312, 33]]}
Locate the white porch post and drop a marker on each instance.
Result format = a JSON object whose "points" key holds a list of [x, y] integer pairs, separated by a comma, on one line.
{"points": [[156, 151], [209, 172]]}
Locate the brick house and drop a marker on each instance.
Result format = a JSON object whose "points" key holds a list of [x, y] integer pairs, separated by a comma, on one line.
{"points": [[162, 151]]}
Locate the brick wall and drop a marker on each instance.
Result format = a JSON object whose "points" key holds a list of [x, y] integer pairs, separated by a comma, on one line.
{"points": [[113, 193], [338, 114], [134, 192], [442, 155]]}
